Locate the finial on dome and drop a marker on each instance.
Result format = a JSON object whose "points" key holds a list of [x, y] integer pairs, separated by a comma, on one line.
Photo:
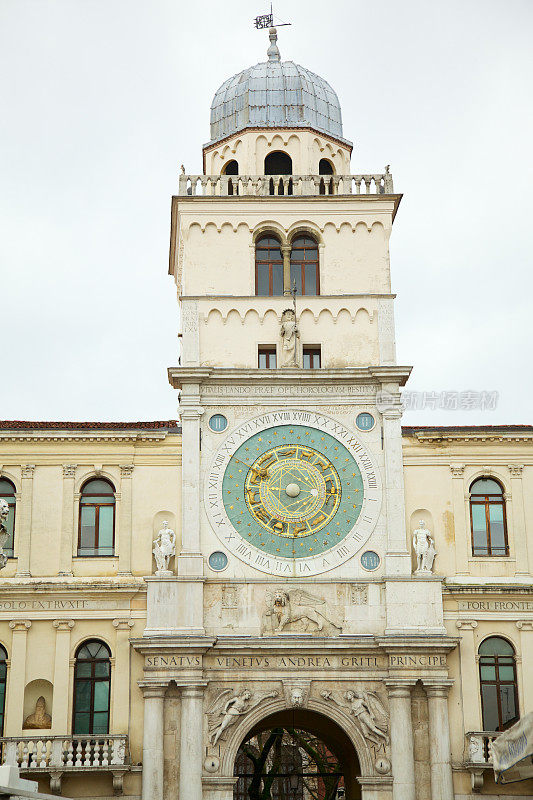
{"points": [[273, 51]]}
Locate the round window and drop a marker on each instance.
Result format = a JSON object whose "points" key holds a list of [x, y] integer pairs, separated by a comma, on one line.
{"points": [[365, 421], [370, 560], [218, 560], [218, 423]]}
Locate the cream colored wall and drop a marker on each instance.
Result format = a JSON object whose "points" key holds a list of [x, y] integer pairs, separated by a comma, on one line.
{"points": [[306, 149]]}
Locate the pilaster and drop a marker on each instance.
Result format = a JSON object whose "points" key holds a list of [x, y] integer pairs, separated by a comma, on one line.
{"points": [[462, 535], [153, 756], [125, 522], [17, 677], [67, 520], [24, 533], [523, 567], [398, 556], [401, 736], [469, 675], [439, 739], [62, 689], [526, 651], [121, 685], [190, 560]]}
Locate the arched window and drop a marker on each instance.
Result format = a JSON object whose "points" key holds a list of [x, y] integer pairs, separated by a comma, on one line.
{"points": [[231, 168], [499, 691], [325, 167], [96, 536], [7, 493], [92, 682], [487, 514], [278, 163], [3, 675], [268, 266], [304, 265]]}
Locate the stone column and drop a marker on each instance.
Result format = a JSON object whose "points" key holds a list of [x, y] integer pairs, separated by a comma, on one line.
{"points": [[462, 530], [17, 677], [191, 742], [125, 524], [401, 738], [24, 533], [526, 652], [153, 760], [439, 740], [286, 252], [62, 689], [121, 683], [519, 520], [398, 556], [67, 520], [469, 675]]}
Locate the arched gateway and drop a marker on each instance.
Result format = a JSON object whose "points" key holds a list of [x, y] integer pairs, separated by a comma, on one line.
{"points": [[296, 754]]}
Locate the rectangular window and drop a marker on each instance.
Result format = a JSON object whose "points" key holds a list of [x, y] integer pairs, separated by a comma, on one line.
{"points": [[312, 358], [267, 357]]}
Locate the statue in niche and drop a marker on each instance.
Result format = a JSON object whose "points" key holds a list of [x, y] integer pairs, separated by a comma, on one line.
{"points": [[289, 338], [39, 719], [227, 711], [164, 548], [424, 547], [284, 608], [4, 533], [369, 712]]}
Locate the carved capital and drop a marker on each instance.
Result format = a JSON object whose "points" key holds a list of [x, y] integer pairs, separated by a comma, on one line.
{"points": [[457, 470], [466, 624], [525, 625], [437, 687], [193, 691], [20, 625], [126, 470], [150, 689], [69, 470], [63, 624], [399, 687], [123, 624], [27, 470], [516, 470]]}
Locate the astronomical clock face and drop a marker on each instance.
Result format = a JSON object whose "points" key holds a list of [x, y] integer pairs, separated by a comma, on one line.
{"points": [[293, 493]]}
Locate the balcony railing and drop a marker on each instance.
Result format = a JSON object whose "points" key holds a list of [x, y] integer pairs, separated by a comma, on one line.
{"points": [[296, 185], [478, 755], [59, 754]]}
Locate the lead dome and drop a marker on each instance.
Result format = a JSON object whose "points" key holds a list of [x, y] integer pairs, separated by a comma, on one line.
{"points": [[275, 94]]}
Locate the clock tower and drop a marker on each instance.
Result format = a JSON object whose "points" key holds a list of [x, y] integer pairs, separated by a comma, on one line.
{"points": [[295, 570]]}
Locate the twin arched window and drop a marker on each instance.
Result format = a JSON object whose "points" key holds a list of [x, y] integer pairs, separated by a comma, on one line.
{"points": [[488, 518], [8, 493], [96, 532], [499, 690], [92, 689], [274, 278]]}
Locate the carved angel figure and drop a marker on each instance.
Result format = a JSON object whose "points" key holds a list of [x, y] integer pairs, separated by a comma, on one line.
{"points": [[424, 547], [4, 533], [164, 547], [369, 712], [286, 607], [226, 712]]}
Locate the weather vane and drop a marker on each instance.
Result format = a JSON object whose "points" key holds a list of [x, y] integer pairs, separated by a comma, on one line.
{"points": [[267, 20]]}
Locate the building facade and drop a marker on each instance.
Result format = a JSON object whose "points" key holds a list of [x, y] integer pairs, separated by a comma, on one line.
{"points": [[341, 608]]}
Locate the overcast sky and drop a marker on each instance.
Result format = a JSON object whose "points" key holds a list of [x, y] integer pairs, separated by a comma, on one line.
{"points": [[102, 100]]}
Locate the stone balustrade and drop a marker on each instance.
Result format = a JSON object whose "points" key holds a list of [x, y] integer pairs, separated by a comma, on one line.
{"points": [[59, 754], [478, 749], [296, 185]]}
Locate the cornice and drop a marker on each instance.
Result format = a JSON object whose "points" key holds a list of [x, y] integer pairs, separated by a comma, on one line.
{"points": [[84, 436], [27, 586], [178, 376]]}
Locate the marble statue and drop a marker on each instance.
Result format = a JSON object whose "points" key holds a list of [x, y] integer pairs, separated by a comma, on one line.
{"points": [[4, 533], [368, 710], [285, 607], [289, 339], [227, 711], [424, 547], [39, 719], [164, 548]]}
